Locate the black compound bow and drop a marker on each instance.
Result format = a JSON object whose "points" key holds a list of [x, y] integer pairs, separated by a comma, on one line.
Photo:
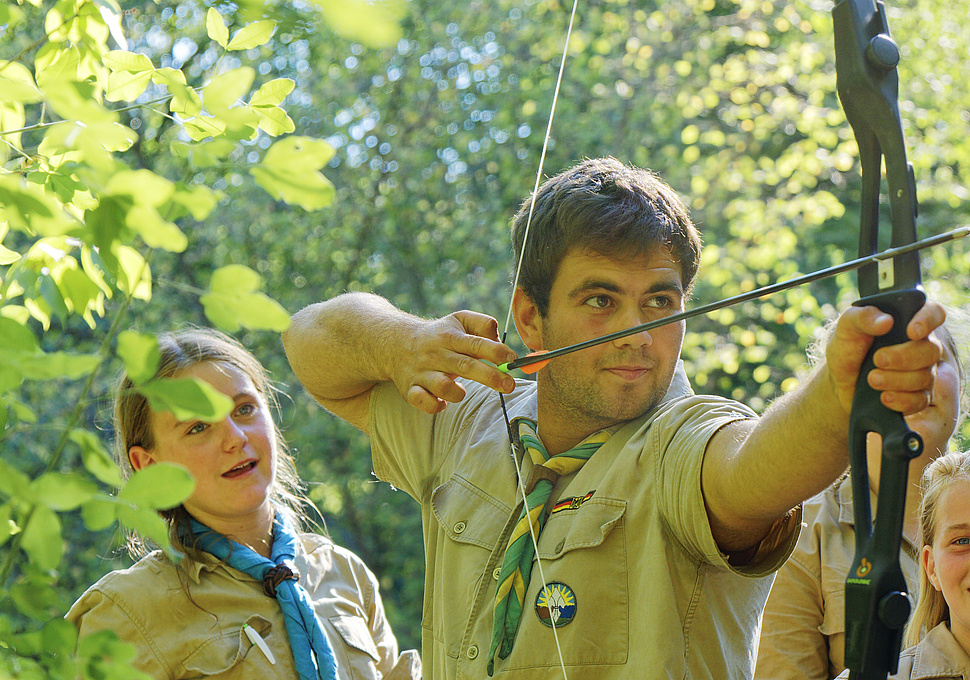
{"points": [[877, 604]]}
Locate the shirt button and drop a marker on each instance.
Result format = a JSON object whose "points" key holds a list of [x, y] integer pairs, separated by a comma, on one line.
{"points": [[562, 544], [472, 652], [459, 527], [496, 572]]}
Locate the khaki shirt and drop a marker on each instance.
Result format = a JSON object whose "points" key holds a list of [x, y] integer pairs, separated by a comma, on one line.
{"points": [[803, 632], [200, 634], [633, 551], [938, 656]]}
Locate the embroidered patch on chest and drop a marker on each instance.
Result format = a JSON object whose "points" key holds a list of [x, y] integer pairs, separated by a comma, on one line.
{"points": [[571, 503], [556, 604]]}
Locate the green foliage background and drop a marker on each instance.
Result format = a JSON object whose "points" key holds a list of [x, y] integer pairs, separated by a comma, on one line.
{"points": [[269, 155]]}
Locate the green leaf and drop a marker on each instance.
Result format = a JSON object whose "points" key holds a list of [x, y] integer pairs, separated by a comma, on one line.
{"points": [[159, 486], [99, 512], [8, 256], [255, 34], [200, 127], [59, 637], [187, 398], [8, 527], [272, 93], [227, 89], [63, 492], [290, 172], [29, 208], [126, 86], [42, 538], [145, 522], [14, 483], [96, 459], [198, 200], [17, 84], [140, 354], [131, 62], [372, 23], [143, 186], [36, 600], [273, 120], [233, 301], [155, 231], [134, 274], [216, 27]]}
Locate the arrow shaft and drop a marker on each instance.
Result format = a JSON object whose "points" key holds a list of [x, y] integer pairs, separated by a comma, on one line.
{"points": [[744, 297]]}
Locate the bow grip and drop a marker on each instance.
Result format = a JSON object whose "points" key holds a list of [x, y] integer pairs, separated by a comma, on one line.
{"points": [[876, 602]]}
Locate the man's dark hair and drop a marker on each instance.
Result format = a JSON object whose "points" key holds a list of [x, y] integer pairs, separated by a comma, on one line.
{"points": [[605, 207]]}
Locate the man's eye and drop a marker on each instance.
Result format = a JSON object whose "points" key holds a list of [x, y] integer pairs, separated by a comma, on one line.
{"points": [[197, 428], [599, 301], [660, 302], [963, 540]]}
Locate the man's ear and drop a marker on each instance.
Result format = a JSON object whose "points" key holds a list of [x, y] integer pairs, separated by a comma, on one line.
{"points": [[528, 320], [139, 458], [929, 566]]}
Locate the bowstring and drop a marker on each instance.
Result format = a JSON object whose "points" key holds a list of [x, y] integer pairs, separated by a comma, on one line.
{"points": [[508, 321]]}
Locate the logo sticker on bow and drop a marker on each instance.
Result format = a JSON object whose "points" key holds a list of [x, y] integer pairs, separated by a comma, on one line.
{"points": [[556, 604]]}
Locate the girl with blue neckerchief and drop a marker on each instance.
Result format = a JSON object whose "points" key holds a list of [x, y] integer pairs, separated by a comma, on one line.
{"points": [[254, 597]]}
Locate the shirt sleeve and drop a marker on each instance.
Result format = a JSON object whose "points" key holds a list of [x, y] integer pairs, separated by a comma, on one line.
{"points": [[96, 611]]}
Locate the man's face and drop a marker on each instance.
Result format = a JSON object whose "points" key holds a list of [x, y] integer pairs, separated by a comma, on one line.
{"points": [[593, 295]]}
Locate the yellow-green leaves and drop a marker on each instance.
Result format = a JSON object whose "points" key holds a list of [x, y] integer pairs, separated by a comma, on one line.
{"points": [[375, 24], [266, 101], [140, 354], [249, 36], [187, 398], [234, 302], [290, 171]]}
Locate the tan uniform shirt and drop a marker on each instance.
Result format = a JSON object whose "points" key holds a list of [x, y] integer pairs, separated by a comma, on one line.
{"points": [[938, 656], [147, 606], [803, 632], [632, 552]]}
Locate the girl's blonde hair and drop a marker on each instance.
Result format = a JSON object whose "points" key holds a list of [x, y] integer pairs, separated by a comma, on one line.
{"points": [[181, 350], [931, 609]]}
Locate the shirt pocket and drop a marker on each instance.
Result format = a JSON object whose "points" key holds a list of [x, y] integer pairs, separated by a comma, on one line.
{"points": [[231, 654], [359, 651], [584, 560], [470, 525]]}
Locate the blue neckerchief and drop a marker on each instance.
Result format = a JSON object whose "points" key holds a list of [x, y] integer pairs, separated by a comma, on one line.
{"points": [[312, 654]]}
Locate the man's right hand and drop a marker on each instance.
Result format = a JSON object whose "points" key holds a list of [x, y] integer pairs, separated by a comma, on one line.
{"points": [[441, 351]]}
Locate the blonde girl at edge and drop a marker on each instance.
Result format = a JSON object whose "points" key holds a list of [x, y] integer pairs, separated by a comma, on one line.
{"points": [[939, 630], [253, 597], [803, 628]]}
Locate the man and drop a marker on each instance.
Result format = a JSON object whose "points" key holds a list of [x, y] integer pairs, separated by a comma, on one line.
{"points": [[656, 556]]}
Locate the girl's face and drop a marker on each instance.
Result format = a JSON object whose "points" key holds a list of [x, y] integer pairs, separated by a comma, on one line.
{"points": [[947, 561], [233, 461]]}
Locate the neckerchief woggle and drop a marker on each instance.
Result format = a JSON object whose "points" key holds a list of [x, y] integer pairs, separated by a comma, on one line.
{"points": [[312, 654]]}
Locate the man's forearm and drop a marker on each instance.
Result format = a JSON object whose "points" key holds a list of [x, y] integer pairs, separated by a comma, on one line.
{"points": [[342, 347]]}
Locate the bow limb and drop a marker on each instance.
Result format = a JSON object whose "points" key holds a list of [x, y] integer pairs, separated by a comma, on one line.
{"points": [[877, 604]]}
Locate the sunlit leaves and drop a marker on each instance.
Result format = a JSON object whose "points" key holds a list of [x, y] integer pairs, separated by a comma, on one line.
{"points": [[234, 301], [96, 459], [375, 24], [141, 355], [216, 27], [158, 486], [252, 35], [186, 398], [290, 171]]}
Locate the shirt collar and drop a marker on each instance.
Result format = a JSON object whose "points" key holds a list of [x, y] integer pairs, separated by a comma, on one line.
{"points": [[939, 655]]}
